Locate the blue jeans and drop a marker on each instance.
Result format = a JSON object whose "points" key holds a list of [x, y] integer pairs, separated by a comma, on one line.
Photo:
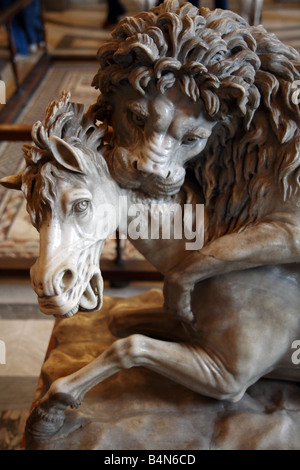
{"points": [[115, 9], [218, 3], [26, 26]]}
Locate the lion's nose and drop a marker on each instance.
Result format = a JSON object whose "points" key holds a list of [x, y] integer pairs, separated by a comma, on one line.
{"points": [[152, 168]]}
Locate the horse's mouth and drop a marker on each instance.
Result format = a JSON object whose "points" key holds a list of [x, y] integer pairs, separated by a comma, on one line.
{"points": [[90, 300]]}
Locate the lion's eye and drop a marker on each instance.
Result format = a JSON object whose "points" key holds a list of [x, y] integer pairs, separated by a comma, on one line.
{"points": [[138, 119], [190, 139], [81, 206]]}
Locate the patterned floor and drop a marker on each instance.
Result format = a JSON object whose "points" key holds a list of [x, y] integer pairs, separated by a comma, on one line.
{"points": [[26, 335], [24, 331]]}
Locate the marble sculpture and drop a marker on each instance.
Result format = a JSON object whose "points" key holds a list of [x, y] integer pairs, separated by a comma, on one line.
{"points": [[202, 111]]}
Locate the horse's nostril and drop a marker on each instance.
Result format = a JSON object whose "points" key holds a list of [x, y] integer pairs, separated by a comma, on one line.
{"points": [[67, 278]]}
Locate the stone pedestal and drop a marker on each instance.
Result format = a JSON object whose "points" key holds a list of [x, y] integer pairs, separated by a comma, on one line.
{"points": [[138, 409]]}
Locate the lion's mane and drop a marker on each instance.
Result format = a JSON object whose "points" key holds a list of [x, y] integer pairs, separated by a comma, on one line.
{"points": [[246, 79]]}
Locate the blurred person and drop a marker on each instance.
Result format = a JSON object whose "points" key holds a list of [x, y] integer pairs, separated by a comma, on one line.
{"points": [[27, 28], [197, 3], [115, 10], [251, 10], [221, 4]]}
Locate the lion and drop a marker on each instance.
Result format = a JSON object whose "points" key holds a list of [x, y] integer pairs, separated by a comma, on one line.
{"points": [[200, 96]]}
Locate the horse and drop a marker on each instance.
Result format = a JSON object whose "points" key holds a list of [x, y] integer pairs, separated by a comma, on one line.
{"points": [[245, 322]]}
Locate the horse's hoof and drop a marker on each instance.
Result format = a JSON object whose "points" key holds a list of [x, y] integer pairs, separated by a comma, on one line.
{"points": [[48, 417], [42, 424]]}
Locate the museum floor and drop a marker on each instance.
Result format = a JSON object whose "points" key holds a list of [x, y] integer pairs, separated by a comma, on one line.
{"points": [[24, 330]]}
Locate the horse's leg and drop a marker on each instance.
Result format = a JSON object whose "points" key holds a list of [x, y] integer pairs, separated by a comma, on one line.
{"points": [[187, 364], [48, 416]]}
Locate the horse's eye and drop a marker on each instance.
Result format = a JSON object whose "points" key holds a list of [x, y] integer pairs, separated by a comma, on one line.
{"points": [[81, 206]]}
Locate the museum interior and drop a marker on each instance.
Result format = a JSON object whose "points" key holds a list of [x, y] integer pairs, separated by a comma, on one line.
{"points": [[63, 59]]}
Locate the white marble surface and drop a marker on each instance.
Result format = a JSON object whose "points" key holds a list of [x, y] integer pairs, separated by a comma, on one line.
{"points": [[138, 409]]}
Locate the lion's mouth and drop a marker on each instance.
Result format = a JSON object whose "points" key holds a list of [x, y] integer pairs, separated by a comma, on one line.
{"points": [[62, 307], [159, 187], [129, 177]]}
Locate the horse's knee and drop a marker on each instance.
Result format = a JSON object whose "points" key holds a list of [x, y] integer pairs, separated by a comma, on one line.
{"points": [[233, 394], [131, 350], [231, 388]]}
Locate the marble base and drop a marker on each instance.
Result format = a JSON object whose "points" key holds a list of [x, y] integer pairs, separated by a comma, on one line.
{"points": [[138, 409]]}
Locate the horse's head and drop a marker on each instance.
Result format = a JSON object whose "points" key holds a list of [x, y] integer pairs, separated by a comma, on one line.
{"points": [[66, 186]]}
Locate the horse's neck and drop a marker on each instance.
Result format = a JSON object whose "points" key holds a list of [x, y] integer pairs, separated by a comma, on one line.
{"points": [[161, 238]]}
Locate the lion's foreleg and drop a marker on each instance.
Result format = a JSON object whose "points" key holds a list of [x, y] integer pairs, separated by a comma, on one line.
{"points": [[267, 243]]}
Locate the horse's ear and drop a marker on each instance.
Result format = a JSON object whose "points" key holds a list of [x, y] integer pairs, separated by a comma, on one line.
{"points": [[12, 181], [68, 156]]}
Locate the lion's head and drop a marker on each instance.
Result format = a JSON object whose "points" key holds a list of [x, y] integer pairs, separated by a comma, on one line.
{"points": [[186, 87]]}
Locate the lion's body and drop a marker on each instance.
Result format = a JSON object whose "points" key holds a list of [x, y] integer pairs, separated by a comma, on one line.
{"points": [[247, 166], [246, 79]]}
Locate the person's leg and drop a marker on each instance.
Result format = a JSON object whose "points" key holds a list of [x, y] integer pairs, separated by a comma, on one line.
{"points": [[196, 3], [4, 4], [115, 9], [221, 4], [19, 34], [28, 20], [37, 18]]}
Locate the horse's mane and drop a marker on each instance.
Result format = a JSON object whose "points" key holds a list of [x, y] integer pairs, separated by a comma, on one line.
{"points": [[70, 122], [246, 79]]}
